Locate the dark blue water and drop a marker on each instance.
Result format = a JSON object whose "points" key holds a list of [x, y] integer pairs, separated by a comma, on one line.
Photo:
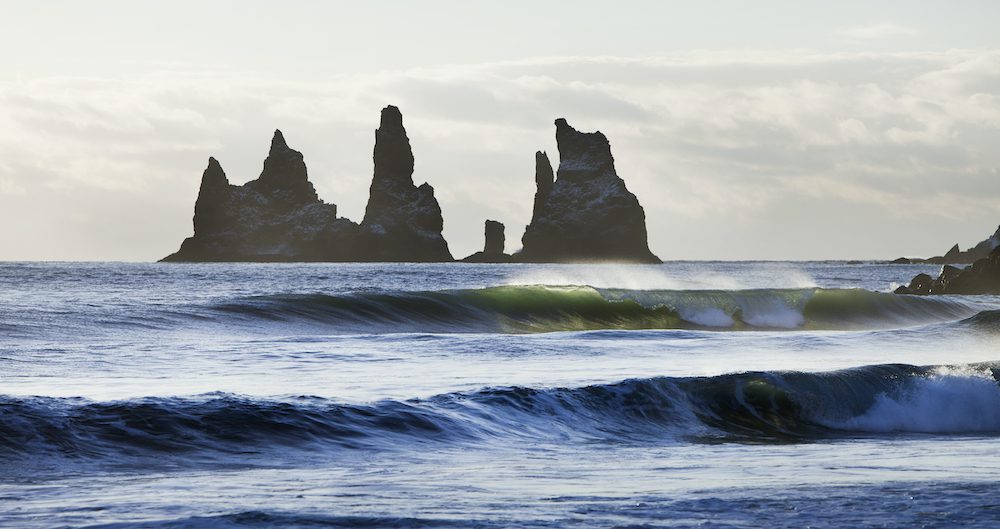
{"points": [[678, 395]]}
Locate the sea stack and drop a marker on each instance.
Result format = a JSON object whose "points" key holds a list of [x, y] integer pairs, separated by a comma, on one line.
{"points": [[284, 179], [276, 217], [494, 246], [586, 214], [402, 221]]}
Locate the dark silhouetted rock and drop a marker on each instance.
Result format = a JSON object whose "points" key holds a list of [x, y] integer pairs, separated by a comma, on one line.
{"points": [[493, 249], [495, 239], [920, 284], [544, 178], [587, 214], [279, 217], [953, 253], [284, 179], [983, 248], [402, 222], [210, 212], [956, 256], [982, 277], [276, 217], [949, 272], [902, 260]]}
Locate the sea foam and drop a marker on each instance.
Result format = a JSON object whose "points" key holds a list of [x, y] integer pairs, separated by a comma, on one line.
{"points": [[947, 401]]}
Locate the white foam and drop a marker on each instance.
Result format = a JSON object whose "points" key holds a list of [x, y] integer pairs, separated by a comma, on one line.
{"points": [[669, 276], [601, 276], [772, 313], [946, 402], [710, 317]]}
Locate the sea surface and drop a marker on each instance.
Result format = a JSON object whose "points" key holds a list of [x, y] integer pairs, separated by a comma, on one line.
{"points": [[688, 394]]}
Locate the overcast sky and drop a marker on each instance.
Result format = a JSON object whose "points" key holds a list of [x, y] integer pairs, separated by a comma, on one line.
{"points": [[748, 130]]}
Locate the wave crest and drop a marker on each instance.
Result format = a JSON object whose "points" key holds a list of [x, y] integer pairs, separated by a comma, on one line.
{"points": [[521, 309], [750, 407]]}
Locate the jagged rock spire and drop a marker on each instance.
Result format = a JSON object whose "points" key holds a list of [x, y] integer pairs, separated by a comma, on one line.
{"points": [[210, 208], [583, 155], [278, 216], [587, 214], [403, 221], [278, 143], [544, 178], [392, 155], [284, 175], [213, 177]]}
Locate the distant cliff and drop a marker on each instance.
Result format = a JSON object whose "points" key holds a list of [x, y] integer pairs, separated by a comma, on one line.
{"points": [[586, 214], [279, 217]]}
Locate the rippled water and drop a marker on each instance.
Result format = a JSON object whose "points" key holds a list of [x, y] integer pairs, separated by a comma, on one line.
{"points": [[331, 395]]}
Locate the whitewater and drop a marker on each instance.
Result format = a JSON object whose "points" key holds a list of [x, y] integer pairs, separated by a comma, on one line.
{"points": [[688, 394]]}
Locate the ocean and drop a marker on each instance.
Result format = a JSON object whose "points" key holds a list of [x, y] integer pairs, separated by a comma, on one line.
{"points": [[688, 394]]}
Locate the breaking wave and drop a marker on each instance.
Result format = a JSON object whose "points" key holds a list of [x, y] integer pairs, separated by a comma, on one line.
{"points": [[523, 309], [741, 407]]}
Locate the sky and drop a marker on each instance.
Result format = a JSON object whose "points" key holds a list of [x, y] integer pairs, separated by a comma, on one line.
{"points": [[748, 130]]}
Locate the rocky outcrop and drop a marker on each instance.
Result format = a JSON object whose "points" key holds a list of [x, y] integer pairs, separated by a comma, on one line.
{"points": [[493, 249], [279, 217], [586, 214], [276, 217], [402, 221], [982, 277], [983, 248], [956, 256]]}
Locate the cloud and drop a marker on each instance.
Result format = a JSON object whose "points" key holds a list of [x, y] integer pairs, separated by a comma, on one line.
{"points": [[877, 32], [715, 144]]}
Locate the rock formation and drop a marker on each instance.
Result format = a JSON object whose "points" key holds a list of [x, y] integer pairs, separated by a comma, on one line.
{"points": [[984, 248], [543, 182], [586, 214], [956, 256], [493, 249], [276, 217], [402, 221], [284, 179], [495, 240], [583, 213], [279, 217], [982, 277]]}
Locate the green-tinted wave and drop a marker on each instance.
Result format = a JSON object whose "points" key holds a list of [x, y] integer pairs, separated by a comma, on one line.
{"points": [[526, 309]]}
